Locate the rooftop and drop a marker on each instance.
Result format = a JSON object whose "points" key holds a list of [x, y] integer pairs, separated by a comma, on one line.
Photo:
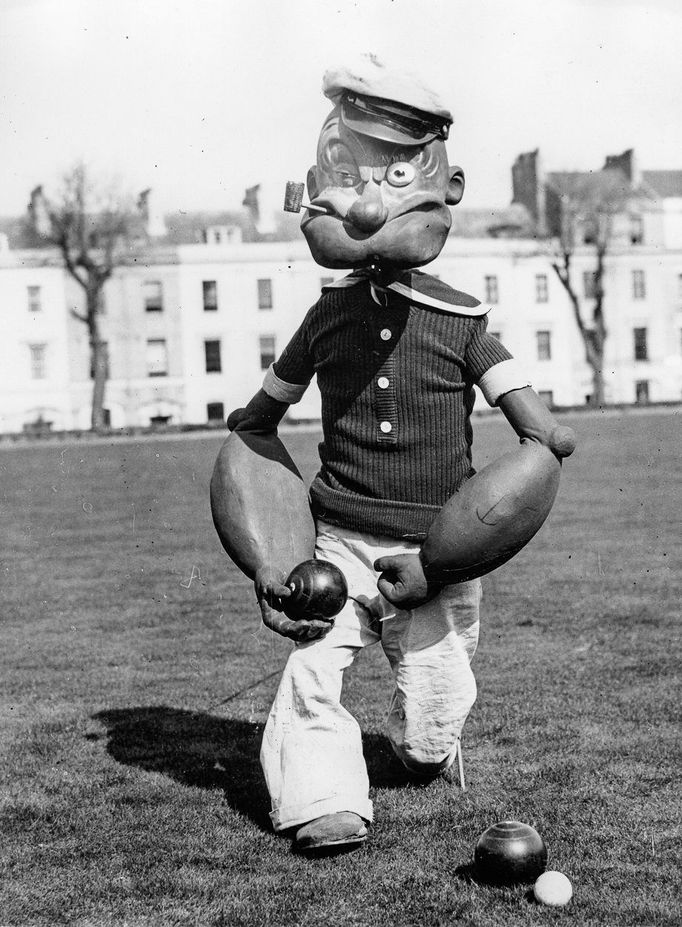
{"points": [[186, 228], [664, 183]]}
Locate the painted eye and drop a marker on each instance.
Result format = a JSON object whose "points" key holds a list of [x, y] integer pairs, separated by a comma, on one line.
{"points": [[400, 174]]}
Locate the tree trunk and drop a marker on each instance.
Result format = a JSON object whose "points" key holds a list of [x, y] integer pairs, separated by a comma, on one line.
{"points": [[99, 364], [99, 360], [594, 339], [598, 393], [599, 328]]}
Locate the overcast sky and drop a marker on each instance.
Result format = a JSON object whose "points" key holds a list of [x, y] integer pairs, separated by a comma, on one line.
{"points": [[199, 99]]}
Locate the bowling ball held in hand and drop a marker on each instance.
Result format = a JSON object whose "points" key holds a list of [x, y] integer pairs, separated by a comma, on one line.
{"points": [[318, 590]]}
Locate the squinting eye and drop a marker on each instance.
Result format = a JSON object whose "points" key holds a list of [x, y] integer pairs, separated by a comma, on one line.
{"points": [[400, 174], [346, 179]]}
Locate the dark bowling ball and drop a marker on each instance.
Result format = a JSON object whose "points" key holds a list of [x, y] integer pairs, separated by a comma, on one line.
{"points": [[318, 590], [510, 852]]}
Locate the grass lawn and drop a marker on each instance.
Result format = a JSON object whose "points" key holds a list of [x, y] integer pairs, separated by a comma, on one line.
{"points": [[136, 680]]}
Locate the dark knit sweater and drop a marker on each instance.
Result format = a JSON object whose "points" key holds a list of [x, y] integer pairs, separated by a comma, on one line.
{"points": [[397, 393]]}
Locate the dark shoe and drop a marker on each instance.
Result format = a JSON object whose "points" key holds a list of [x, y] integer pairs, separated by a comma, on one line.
{"points": [[344, 830]]}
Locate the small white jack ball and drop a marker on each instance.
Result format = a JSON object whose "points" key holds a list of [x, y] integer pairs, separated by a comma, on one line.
{"points": [[553, 888]]}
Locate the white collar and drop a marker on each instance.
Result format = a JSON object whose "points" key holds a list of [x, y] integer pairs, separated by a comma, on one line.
{"points": [[416, 291]]}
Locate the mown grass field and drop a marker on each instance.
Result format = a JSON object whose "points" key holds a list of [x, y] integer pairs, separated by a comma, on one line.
{"points": [[136, 680]]}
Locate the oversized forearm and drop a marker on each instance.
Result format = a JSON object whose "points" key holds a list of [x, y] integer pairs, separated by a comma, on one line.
{"points": [[493, 515], [497, 511], [260, 504]]}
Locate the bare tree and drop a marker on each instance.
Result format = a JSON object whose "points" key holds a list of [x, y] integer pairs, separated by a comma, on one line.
{"points": [[91, 223], [586, 214]]}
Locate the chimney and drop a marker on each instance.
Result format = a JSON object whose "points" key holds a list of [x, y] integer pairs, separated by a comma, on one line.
{"points": [[37, 210], [528, 188], [261, 208], [154, 224], [626, 163]]}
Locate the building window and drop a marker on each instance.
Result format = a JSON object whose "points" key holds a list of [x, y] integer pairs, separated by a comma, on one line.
{"points": [[215, 412], [265, 294], [267, 351], [547, 396], [38, 361], [152, 293], [638, 285], [157, 357], [34, 299], [589, 284], [642, 391], [639, 336], [212, 352], [105, 355], [210, 295], [636, 230], [541, 288], [492, 291], [544, 345]]}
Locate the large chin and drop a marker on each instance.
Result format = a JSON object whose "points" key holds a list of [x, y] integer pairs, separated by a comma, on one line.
{"points": [[410, 240]]}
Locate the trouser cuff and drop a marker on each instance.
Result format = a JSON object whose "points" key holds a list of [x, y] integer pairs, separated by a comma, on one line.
{"points": [[284, 818]]}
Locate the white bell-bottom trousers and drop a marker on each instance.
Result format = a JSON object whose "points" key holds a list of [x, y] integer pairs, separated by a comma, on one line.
{"points": [[312, 750]]}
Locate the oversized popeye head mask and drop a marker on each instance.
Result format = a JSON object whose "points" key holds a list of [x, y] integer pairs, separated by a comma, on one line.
{"points": [[382, 174]]}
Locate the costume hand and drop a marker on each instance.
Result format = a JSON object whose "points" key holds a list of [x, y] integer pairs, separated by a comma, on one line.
{"points": [[402, 580], [261, 416], [270, 590]]}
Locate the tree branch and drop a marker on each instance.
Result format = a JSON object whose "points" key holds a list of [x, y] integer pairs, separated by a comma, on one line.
{"points": [[72, 267], [564, 275]]}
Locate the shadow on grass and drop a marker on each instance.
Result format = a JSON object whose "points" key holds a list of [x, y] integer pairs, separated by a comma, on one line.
{"points": [[468, 873], [201, 750], [195, 749], [384, 769], [472, 875]]}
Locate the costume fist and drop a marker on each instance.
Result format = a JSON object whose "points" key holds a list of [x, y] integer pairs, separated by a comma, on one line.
{"points": [[402, 580], [270, 590]]}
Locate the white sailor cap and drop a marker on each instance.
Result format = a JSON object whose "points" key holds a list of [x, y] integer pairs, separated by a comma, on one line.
{"points": [[389, 104]]}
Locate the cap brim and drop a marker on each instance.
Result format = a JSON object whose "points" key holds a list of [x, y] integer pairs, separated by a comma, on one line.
{"points": [[376, 128]]}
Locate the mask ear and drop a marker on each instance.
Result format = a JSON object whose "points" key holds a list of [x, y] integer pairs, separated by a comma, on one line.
{"points": [[311, 183], [455, 186]]}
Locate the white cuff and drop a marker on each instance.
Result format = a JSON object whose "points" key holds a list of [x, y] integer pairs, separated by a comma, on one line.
{"points": [[501, 379], [281, 390]]}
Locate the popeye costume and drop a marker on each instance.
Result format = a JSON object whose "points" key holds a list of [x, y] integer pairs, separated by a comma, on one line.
{"points": [[397, 354]]}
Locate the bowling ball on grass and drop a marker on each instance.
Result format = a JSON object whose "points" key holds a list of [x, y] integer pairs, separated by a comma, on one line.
{"points": [[510, 852]]}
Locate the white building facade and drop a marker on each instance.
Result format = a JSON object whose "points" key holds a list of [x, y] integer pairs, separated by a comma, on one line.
{"points": [[191, 329], [35, 378], [531, 313]]}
